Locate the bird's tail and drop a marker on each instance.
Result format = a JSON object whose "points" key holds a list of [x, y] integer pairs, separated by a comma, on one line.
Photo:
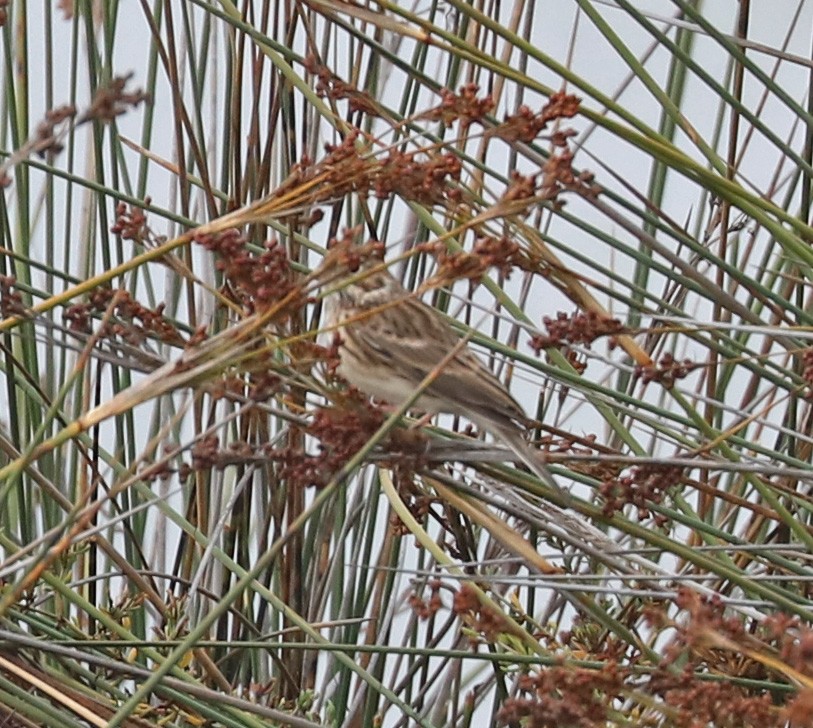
{"points": [[533, 460]]}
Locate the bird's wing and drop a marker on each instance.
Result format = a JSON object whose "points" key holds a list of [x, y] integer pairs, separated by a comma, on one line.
{"points": [[418, 342]]}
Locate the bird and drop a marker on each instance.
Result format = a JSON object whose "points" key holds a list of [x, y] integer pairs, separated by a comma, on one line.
{"points": [[390, 342]]}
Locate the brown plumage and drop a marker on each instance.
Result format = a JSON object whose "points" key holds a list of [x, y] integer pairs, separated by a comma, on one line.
{"points": [[391, 341]]}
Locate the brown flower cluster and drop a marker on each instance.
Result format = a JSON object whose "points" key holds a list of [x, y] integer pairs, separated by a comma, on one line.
{"points": [[429, 181], [256, 280], [705, 631], [46, 136], [125, 318], [695, 703], [417, 501], [583, 447], [526, 125], [488, 252], [350, 168], [341, 432], [258, 385], [706, 615], [483, 620], [666, 372], [426, 609], [47, 139], [208, 454], [109, 102], [428, 175], [500, 253], [558, 175], [114, 100], [329, 85], [520, 187], [793, 640], [565, 696], [463, 106], [346, 253], [263, 384], [11, 300], [643, 484], [580, 328], [131, 224]]}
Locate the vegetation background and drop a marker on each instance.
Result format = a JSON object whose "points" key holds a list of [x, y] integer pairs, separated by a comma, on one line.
{"points": [[201, 525]]}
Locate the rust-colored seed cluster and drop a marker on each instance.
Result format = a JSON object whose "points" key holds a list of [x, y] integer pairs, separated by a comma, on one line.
{"points": [[460, 266], [256, 280], [350, 168], [11, 300], [558, 175], [109, 102], [113, 100], [417, 502], [429, 176], [575, 696], [426, 609], [347, 253], [127, 319], [520, 187], [329, 85], [794, 641], [463, 106], [706, 614], [643, 483], [488, 623], [263, 385], [565, 696], [341, 433], [585, 446], [255, 386], [708, 619], [526, 125], [427, 181], [580, 328], [46, 137], [208, 454], [498, 252], [700, 702], [488, 252], [667, 371], [696, 703], [131, 223]]}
